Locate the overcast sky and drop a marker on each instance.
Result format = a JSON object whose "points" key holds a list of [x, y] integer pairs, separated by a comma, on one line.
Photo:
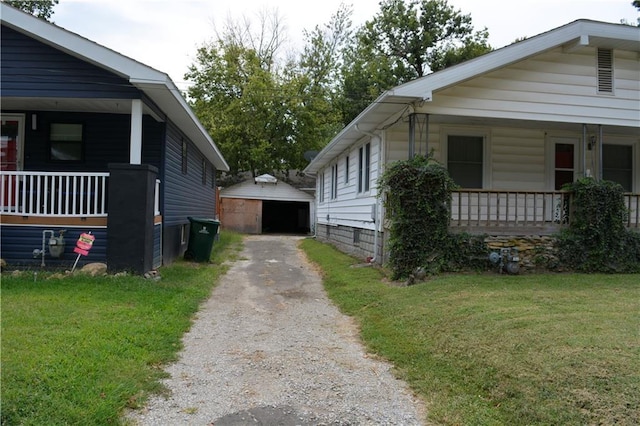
{"points": [[165, 34]]}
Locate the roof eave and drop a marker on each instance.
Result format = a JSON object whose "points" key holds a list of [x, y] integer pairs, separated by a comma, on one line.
{"points": [[145, 78]]}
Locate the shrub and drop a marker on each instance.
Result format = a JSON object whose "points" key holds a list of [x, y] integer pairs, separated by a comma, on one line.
{"points": [[597, 240], [417, 194]]}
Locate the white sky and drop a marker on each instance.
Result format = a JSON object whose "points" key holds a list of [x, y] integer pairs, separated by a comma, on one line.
{"points": [[165, 34]]}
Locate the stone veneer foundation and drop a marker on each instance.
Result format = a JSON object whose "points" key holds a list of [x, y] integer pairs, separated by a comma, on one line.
{"points": [[536, 252]]}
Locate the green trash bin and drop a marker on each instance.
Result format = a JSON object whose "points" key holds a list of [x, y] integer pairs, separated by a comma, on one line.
{"points": [[201, 235]]}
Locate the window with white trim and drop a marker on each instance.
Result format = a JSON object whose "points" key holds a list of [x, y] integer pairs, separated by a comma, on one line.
{"points": [[346, 170], [465, 160], [321, 187], [334, 182], [364, 168], [617, 164], [564, 164]]}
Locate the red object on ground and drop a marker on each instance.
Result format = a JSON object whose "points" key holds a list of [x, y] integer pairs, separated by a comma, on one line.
{"points": [[84, 244]]}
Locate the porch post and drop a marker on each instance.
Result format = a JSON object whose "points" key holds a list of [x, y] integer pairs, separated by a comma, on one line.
{"points": [[412, 135], [130, 220], [600, 148], [135, 145]]}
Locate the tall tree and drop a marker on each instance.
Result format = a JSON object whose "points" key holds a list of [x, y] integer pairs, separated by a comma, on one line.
{"points": [[406, 40], [265, 112], [239, 102], [43, 9], [318, 78]]}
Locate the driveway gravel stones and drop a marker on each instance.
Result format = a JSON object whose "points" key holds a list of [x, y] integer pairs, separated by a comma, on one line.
{"points": [[269, 348]]}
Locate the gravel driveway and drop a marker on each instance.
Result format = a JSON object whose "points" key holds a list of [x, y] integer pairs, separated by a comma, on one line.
{"points": [[268, 348]]}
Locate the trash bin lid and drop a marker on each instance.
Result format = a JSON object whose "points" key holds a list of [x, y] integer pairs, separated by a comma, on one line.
{"points": [[203, 220]]}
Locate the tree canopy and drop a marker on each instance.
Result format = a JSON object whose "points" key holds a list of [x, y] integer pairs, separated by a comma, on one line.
{"points": [[406, 39], [43, 9], [265, 111]]}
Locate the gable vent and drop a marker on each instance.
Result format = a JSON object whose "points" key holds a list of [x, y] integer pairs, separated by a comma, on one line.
{"points": [[605, 71]]}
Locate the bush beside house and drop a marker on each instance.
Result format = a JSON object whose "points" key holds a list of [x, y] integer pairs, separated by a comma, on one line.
{"points": [[417, 192]]}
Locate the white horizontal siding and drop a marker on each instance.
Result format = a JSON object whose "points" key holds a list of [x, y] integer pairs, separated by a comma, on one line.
{"points": [[397, 142], [517, 158], [265, 191], [554, 86], [349, 208]]}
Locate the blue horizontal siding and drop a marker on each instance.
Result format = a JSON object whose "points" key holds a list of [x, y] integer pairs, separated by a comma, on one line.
{"points": [[185, 194], [106, 139], [33, 69], [18, 242]]}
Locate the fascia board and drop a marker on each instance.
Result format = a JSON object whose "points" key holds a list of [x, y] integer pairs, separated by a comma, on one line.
{"points": [[155, 84], [77, 46], [516, 52]]}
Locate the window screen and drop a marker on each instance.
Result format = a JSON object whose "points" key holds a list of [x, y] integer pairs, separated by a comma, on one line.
{"points": [[465, 160], [617, 164]]}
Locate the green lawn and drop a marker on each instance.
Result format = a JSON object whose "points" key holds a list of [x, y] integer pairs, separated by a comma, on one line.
{"points": [[78, 350], [488, 349]]}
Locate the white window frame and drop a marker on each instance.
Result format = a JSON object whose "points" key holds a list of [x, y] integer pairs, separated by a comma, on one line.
{"points": [[20, 118], [346, 170], [321, 187], [364, 168], [333, 193], [635, 152], [486, 149], [550, 172]]}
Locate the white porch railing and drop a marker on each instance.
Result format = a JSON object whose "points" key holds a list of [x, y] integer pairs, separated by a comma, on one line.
{"points": [[53, 194], [486, 208], [524, 210]]}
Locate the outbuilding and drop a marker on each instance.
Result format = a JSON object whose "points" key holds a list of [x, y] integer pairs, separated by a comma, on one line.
{"points": [[265, 204]]}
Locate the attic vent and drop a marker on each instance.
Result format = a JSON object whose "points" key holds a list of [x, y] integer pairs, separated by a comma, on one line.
{"points": [[605, 71]]}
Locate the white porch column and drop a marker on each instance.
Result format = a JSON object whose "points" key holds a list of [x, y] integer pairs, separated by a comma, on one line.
{"points": [[135, 145]]}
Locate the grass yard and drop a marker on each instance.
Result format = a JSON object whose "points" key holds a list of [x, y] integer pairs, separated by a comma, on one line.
{"points": [[79, 350], [491, 349]]}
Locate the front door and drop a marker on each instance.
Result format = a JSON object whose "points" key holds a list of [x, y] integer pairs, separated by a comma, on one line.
{"points": [[564, 161], [11, 146]]}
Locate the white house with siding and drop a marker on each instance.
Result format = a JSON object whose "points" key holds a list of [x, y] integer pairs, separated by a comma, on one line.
{"points": [[511, 126]]}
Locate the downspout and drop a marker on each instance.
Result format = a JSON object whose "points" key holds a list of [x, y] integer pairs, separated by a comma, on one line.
{"points": [[377, 211]]}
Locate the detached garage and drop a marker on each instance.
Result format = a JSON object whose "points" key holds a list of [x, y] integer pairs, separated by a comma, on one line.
{"points": [[266, 205]]}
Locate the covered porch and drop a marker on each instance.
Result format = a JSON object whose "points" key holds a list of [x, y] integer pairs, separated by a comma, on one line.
{"points": [[480, 211], [35, 205]]}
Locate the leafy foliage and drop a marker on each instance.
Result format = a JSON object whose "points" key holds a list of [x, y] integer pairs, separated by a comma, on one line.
{"points": [[42, 9], [265, 114], [417, 194], [407, 39], [597, 240]]}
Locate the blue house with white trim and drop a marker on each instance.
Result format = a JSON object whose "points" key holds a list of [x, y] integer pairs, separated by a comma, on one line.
{"points": [[93, 141]]}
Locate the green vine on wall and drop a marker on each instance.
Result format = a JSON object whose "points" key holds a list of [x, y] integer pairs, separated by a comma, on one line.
{"points": [[417, 194], [597, 239]]}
